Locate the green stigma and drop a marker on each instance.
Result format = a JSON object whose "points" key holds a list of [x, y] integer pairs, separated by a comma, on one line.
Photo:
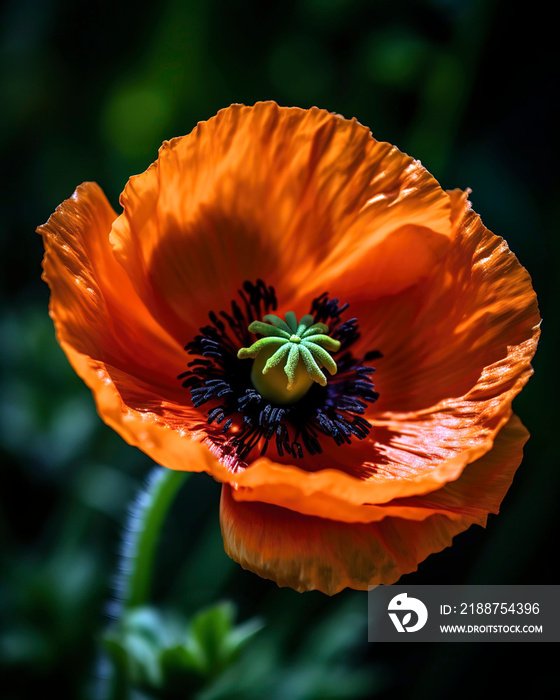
{"points": [[289, 356]]}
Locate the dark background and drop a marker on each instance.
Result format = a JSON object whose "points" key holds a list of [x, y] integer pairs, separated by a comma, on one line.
{"points": [[88, 92]]}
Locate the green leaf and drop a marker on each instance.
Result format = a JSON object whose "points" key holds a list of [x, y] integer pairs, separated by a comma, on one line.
{"points": [[136, 645], [181, 658], [214, 642], [209, 631], [241, 634], [143, 658]]}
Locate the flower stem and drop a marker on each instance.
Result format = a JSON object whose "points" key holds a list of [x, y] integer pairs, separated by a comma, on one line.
{"points": [[133, 585], [146, 519]]}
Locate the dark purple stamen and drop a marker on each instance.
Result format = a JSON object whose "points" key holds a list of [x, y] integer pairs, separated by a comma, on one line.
{"points": [[217, 375]]}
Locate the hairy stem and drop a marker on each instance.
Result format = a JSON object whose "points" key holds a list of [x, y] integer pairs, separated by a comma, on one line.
{"points": [[144, 527]]}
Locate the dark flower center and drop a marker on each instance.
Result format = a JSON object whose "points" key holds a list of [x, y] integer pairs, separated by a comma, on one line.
{"points": [[242, 419]]}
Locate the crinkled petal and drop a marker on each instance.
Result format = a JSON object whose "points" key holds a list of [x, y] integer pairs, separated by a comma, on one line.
{"points": [[335, 494], [93, 304], [457, 349], [112, 341], [482, 485], [476, 311], [307, 552], [168, 432], [315, 199], [295, 197], [406, 454]]}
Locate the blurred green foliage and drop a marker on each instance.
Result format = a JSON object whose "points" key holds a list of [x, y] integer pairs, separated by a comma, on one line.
{"points": [[89, 91], [162, 654]]}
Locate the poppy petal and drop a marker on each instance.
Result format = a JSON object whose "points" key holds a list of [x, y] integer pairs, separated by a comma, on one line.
{"points": [[93, 304], [307, 552], [456, 351], [406, 454], [483, 484], [335, 494], [302, 190], [112, 341], [439, 338], [310, 203]]}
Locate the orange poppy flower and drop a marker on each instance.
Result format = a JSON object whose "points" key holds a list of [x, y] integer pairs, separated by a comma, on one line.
{"points": [[262, 216]]}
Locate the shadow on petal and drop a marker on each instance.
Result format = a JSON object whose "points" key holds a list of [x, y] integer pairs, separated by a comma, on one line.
{"points": [[308, 552]]}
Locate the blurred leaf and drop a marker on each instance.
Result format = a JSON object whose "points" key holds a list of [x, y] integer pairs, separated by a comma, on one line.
{"points": [[241, 634], [213, 639], [209, 630], [147, 623], [315, 662], [181, 658], [143, 661], [138, 641], [158, 650]]}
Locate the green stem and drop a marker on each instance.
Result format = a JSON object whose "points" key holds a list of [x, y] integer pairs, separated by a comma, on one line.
{"points": [[146, 518], [146, 524]]}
